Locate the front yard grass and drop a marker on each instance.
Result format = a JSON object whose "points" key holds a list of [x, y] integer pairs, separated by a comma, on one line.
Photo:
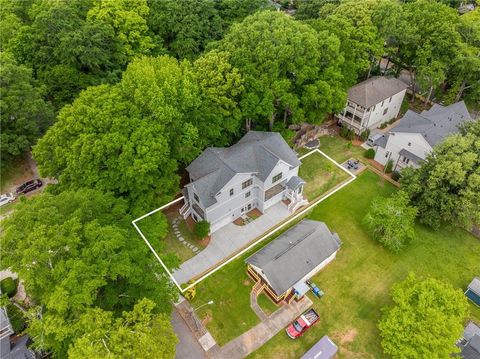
{"points": [[356, 284], [266, 304], [320, 174]]}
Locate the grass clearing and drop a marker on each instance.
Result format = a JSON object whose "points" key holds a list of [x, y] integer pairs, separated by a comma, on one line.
{"points": [[340, 149], [320, 174], [266, 304]]}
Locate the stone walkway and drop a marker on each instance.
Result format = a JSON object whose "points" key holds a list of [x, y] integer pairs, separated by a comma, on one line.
{"points": [[179, 236], [254, 338], [254, 305]]}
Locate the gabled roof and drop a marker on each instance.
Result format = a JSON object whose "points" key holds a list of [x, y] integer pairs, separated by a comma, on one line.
{"points": [[375, 90], [323, 349], [472, 349], [295, 253], [435, 124], [256, 153], [474, 285], [411, 156]]}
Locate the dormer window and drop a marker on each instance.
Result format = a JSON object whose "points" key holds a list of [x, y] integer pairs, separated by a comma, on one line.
{"points": [[277, 177], [196, 197]]}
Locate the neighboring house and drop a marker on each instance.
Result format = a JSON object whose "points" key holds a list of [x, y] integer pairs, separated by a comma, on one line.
{"points": [[12, 347], [282, 267], [469, 344], [415, 135], [258, 171], [473, 291], [372, 102], [323, 349]]}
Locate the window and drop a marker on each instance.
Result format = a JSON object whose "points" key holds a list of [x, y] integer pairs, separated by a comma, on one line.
{"points": [[196, 197], [386, 154], [231, 192], [247, 194], [409, 143], [247, 183], [390, 99], [373, 108], [385, 111], [249, 207], [382, 103], [276, 177]]}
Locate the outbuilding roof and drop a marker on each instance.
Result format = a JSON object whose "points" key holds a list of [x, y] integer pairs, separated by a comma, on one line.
{"points": [[375, 90], [323, 349], [474, 285], [295, 253], [256, 153], [434, 124]]}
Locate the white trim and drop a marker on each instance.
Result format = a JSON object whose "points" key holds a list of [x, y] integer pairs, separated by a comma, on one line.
{"points": [[276, 229]]}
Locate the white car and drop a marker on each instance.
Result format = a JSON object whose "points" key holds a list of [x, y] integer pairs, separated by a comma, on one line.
{"points": [[6, 198]]}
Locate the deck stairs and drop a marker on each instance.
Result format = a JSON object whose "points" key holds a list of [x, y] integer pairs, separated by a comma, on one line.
{"points": [[185, 210]]}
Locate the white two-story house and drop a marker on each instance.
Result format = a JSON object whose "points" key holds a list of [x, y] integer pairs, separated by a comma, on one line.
{"points": [[415, 135], [372, 102], [258, 171]]}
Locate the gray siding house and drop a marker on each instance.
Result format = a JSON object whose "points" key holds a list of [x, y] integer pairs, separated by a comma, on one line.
{"points": [[258, 171]]}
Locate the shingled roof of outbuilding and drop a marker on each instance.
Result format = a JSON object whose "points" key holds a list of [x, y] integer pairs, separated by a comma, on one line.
{"points": [[375, 90]]}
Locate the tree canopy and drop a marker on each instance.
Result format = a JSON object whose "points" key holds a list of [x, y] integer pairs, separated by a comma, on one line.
{"points": [[75, 251], [24, 114], [289, 69], [140, 333], [391, 221], [426, 319], [445, 187]]}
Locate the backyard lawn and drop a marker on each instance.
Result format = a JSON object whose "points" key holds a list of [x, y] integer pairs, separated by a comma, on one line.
{"points": [[339, 148], [356, 284], [321, 175]]}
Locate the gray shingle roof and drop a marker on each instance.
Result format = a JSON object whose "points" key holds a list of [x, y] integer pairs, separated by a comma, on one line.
{"points": [[294, 182], [375, 90], [472, 349], [323, 349], [295, 253], [381, 141], [256, 152], [435, 124]]}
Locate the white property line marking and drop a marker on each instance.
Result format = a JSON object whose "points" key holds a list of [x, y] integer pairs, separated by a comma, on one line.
{"points": [[276, 229]]}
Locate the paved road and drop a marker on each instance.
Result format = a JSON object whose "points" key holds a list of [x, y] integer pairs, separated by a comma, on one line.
{"points": [[188, 347]]}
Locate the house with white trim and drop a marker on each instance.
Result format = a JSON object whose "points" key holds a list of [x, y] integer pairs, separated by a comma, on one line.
{"points": [[410, 141], [257, 172], [372, 103]]}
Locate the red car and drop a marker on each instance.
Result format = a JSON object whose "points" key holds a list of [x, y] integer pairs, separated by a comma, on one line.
{"points": [[302, 323], [29, 186]]}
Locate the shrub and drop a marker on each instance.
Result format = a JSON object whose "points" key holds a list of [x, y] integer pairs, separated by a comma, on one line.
{"points": [[202, 229], [8, 286], [389, 166], [190, 293], [364, 135], [370, 153], [383, 125], [396, 175], [347, 133]]}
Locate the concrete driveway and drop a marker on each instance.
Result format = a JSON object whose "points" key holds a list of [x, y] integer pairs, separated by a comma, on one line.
{"points": [[188, 347], [229, 240]]}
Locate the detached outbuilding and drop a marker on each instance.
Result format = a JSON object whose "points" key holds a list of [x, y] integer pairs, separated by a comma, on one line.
{"points": [[473, 291], [282, 267]]}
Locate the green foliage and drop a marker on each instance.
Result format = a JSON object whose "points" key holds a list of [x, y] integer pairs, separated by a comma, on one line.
{"points": [[370, 153], [364, 135], [389, 166], [396, 175], [140, 333], [24, 114], [289, 69], [347, 133], [391, 221], [426, 318], [191, 293], [16, 316], [311, 9], [445, 187], [8, 286], [74, 251], [202, 229]]}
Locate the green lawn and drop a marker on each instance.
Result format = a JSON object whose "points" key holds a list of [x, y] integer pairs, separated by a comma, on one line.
{"points": [[320, 174], [356, 284], [339, 148], [266, 304]]}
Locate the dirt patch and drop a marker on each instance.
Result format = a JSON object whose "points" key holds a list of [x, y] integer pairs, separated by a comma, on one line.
{"points": [[207, 319], [205, 241], [247, 282], [345, 337], [19, 172]]}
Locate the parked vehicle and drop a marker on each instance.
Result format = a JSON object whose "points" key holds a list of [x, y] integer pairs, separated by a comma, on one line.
{"points": [[29, 186], [302, 323], [373, 137], [6, 199]]}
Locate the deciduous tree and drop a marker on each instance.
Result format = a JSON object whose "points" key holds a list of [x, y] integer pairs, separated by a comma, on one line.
{"points": [[425, 320], [391, 221], [445, 187]]}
